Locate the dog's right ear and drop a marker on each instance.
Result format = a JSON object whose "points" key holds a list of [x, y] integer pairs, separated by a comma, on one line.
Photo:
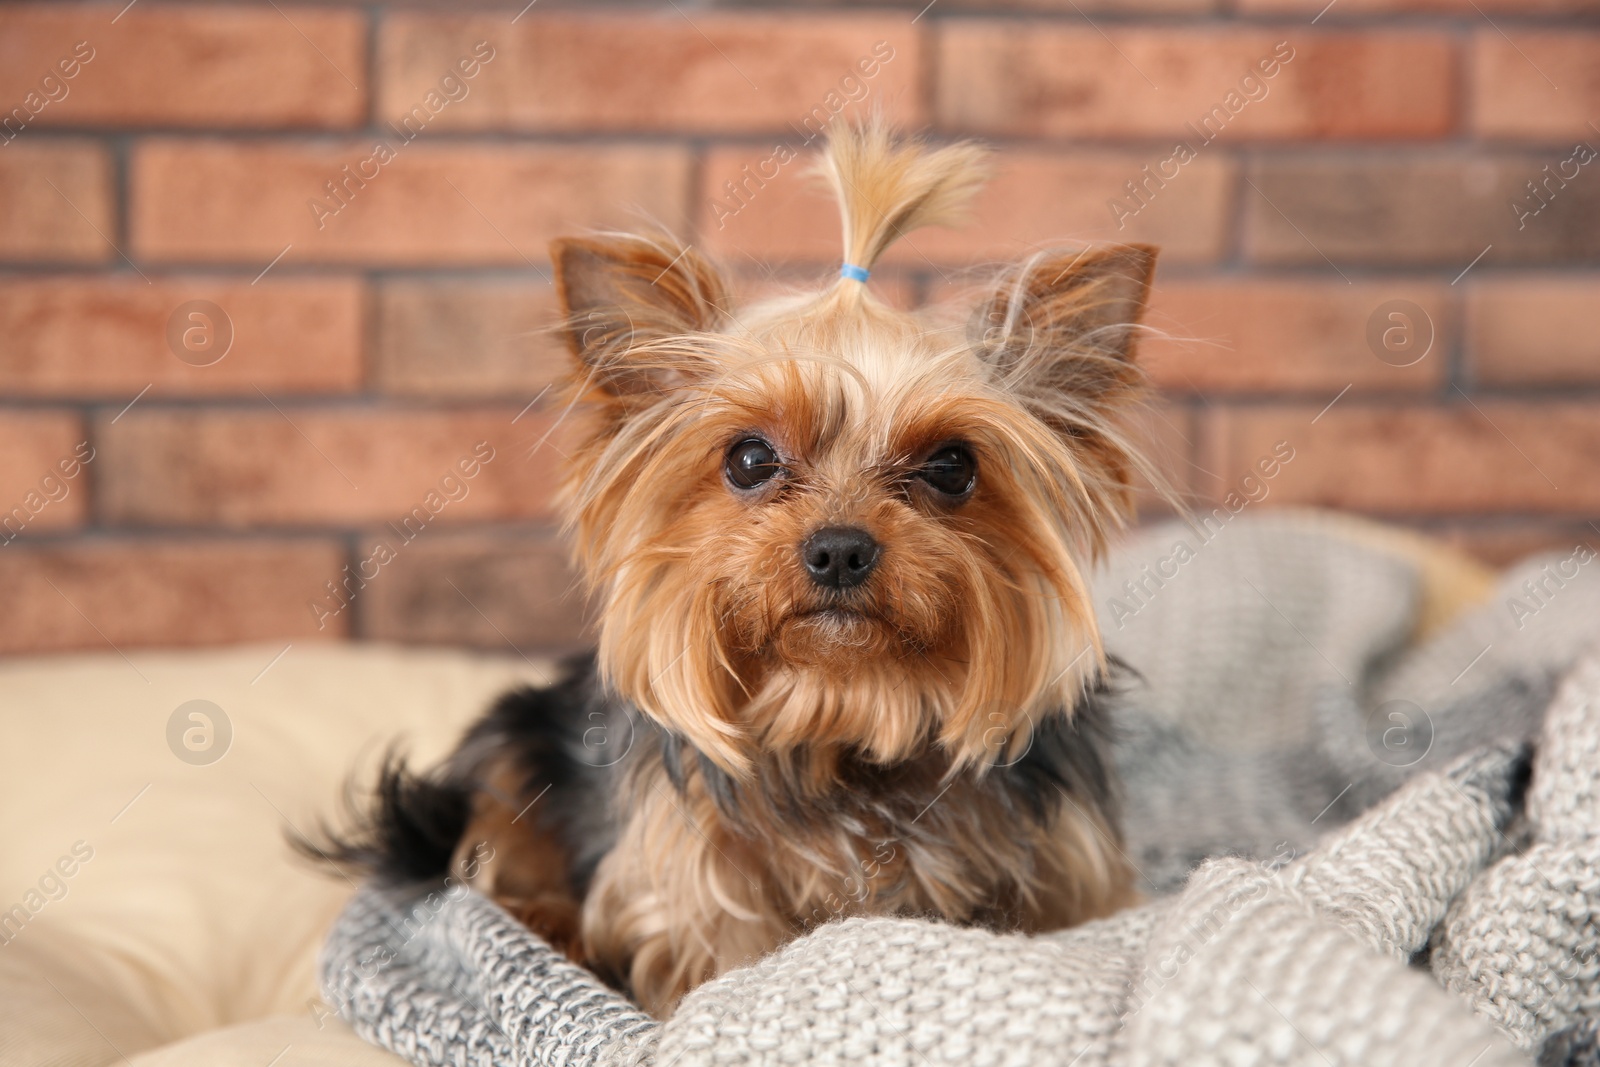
{"points": [[629, 302], [1068, 323]]}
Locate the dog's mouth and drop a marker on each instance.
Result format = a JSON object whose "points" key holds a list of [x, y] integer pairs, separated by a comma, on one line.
{"points": [[839, 637], [839, 613], [833, 635], [830, 626]]}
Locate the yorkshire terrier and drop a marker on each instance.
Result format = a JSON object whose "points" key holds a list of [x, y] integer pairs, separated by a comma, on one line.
{"points": [[847, 659]]}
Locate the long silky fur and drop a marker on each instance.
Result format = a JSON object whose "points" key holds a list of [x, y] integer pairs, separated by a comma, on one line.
{"points": [[940, 749]]}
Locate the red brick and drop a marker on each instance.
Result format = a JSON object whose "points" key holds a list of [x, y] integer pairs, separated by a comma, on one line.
{"points": [[55, 202], [1291, 335], [79, 336], [1537, 85], [1536, 330], [299, 466], [461, 338], [1110, 7], [43, 483], [1412, 208], [1343, 10], [187, 65], [913, 7], [223, 201], [1036, 198], [1500, 457], [129, 595], [505, 591], [1024, 78], [650, 70]]}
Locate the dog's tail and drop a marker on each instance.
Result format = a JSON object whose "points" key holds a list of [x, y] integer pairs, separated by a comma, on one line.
{"points": [[408, 832], [888, 186]]}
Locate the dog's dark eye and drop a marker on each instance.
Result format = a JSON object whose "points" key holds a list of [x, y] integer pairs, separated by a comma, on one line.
{"points": [[751, 462], [951, 470]]}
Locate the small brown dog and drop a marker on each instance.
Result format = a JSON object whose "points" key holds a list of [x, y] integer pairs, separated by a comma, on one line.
{"points": [[847, 662]]}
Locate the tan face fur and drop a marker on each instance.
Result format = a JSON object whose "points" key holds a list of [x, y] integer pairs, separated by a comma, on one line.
{"points": [[976, 607]]}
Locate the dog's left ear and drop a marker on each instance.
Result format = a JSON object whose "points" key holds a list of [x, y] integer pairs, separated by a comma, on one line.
{"points": [[1065, 325], [626, 298]]}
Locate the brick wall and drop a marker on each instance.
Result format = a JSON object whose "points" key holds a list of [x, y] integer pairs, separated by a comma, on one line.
{"points": [[165, 200]]}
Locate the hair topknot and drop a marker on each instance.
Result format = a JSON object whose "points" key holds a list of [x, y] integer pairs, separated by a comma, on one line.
{"points": [[887, 185]]}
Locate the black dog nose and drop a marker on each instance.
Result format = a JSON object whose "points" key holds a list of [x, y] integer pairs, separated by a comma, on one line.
{"points": [[839, 557]]}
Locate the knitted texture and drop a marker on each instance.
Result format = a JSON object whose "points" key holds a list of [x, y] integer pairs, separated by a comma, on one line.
{"points": [[1320, 861], [1272, 665], [453, 979], [1522, 943]]}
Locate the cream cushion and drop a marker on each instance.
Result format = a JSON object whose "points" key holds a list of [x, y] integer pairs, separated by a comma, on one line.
{"points": [[281, 1041], [190, 913]]}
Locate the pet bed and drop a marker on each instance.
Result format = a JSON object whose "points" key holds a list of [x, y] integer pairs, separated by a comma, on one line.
{"points": [[1330, 807], [189, 939]]}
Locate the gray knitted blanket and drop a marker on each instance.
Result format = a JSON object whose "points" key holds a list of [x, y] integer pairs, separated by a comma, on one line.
{"points": [[1359, 850]]}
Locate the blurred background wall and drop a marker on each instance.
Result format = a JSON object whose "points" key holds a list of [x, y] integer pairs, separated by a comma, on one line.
{"points": [[272, 275]]}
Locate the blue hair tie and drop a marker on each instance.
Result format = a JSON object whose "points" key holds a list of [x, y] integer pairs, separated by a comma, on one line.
{"points": [[854, 273]]}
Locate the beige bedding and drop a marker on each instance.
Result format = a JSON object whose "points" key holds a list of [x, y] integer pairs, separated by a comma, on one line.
{"points": [[189, 928]]}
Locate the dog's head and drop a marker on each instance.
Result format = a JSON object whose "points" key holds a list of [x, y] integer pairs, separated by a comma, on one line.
{"points": [[822, 521]]}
